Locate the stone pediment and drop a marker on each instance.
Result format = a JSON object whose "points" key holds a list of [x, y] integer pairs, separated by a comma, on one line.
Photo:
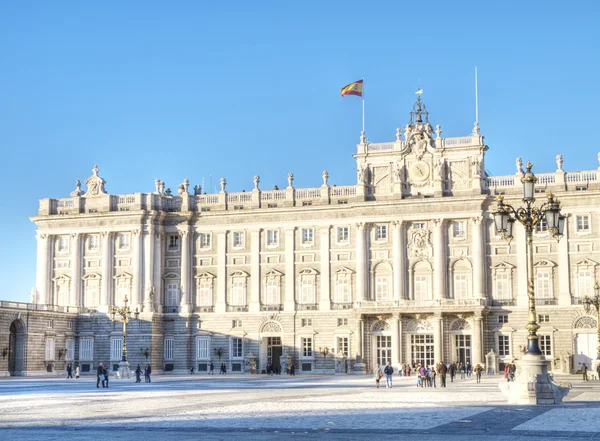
{"points": [[62, 278], [503, 266], [239, 273], [308, 271], [92, 276], [544, 264], [586, 262], [123, 275], [344, 270], [274, 273], [204, 275]]}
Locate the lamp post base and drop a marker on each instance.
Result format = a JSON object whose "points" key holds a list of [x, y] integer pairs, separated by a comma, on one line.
{"points": [[533, 384], [124, 371]]}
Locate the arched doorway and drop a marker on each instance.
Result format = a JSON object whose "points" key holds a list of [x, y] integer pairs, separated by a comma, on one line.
{"points": [[16, 349], [585, 341]]}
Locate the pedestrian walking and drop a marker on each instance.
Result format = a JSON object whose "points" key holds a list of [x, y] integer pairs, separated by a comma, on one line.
{"points": [[377, 374], [469, 369], [452, 370], [389, 372], [584, 370], [478, 371], [292, 370], [212, 369], [100, 375], [598, 370], [432, 376], [105, 371], [148, 372], [192, 370], [69, 371], [76, 372], [442, 369], [138, 374]]}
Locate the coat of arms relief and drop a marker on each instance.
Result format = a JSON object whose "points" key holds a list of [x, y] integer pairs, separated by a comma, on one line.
{"points": [[420, 244]]}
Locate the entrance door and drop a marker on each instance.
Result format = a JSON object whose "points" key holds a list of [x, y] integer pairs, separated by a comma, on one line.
{"points": [[463, 348], [421, 349], [15, 348], [585, 350], [274, 350], [383, 349]]}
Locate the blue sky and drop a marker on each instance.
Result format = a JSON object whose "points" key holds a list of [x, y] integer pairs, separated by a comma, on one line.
{"points": [[192, 89]]}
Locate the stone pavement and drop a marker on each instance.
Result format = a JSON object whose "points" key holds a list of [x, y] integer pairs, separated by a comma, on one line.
{"points": [[303, 407]]}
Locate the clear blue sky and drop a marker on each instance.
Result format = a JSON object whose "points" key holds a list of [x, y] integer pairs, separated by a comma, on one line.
{"points": [[182, 89]]}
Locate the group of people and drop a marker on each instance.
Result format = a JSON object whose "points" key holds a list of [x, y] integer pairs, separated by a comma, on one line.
{"points": [[102, 376], [275, 369], [426, 375], [70, 371], [146, 371], [584, 371], [509, 371]]}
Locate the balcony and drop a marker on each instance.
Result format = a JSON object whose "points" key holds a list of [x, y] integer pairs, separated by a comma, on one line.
{"points": [[237, 308], [275, 307], [341, 306], [205, 309], [507, 302], [171, 310], [308, 307], [546, 302]]}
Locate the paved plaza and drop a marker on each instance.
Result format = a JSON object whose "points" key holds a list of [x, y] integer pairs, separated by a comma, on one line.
{"points": [[303, 407]]}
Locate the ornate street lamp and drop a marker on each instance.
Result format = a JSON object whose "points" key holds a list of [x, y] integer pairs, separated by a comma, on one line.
{"points": [[587, 305], [529, 216], [123, 314]]}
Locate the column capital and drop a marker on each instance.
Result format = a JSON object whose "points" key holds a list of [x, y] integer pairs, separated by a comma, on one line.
{"points": [[361, 225], [42, 236], [398, 223], [136, 232], [476, 220], [75, 235], [105, 234], [438, 223], [184, 233]]}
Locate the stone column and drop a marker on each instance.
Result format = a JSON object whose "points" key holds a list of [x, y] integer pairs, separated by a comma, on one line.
{"points": [[399, 262], [520, 272], [136, 235], [43, 273], [149, 265], [221, 303], [564, 280], [255, 276], [75, 297], [158, 273], [361, 263], [396, 341], [479, 261], [439, 263], [185, 271], [438, 338], [359, 339], [477, 356], [290, 274], [325, 297], [107, 265]]}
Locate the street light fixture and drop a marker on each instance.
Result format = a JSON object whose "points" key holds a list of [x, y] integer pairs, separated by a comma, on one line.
{"points": [[529, 216], [123, 314], [587, 305]]}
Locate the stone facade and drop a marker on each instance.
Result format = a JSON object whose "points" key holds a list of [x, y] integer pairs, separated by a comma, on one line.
{"points": [[403, 266]]}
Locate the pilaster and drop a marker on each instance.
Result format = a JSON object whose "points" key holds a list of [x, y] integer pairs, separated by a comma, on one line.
{"points": [[107, 265], [221, 303], [521, 267], [325, 297], [438, 337], [255, 278], [399, 261], [479, 261], [361, 263], [439, 265], [149, 267], [477, 348], [564, 296], [290, 272], [186, 295], [43, 274], [137, 269], [75, 297], [396, 341]]}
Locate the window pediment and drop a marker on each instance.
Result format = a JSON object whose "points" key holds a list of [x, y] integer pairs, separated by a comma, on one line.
{"points": [[62, 278], [586, 263], [204, 275], [274, 273], [123, 275], [239, 274], [503, 266], [308, 272], [544, 264], [92, 276], [171, 276], [343, 270]]}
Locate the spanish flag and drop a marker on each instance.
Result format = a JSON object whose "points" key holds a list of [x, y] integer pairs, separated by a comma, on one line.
{"points": [[355, 88]]}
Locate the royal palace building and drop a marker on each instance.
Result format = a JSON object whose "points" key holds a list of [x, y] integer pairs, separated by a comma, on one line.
{"points": [[404, 265]]}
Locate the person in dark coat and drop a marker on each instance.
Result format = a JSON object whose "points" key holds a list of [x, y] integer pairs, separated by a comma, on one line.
{"points": [[138, 374], [105, 382], [442, 370], [452, 370], [69, 371], [100, 375]]}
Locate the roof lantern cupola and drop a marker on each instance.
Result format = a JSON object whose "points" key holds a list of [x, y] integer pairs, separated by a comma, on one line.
{"points": [[419, 114]]}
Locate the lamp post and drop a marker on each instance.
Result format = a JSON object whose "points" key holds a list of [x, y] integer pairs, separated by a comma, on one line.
{"points": [[587, 305], [123, 314], [534, 366]]}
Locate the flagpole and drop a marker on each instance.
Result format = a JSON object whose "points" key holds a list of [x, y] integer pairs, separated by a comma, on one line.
{"points": [[363, 106], [476, 98]]}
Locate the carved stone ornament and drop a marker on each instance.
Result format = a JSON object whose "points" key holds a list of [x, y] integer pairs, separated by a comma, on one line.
{"points": [[586, 322], [460, 325], [380, 326], [422, 325], [95, 184], [420, 244], [77, 192], [271, 327], [419, 143]]}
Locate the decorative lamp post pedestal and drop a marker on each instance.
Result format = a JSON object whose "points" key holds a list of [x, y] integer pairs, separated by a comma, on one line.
{"points": [[124, 371], [533, 384], [124, 314]]}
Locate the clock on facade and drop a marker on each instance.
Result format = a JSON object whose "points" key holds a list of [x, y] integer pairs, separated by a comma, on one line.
{"points": [[419, 171]]}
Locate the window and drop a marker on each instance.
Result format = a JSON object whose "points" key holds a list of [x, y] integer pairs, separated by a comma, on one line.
{"points": [[86, 349], [70, 347], [461, 286], [343, 234], [238, 239], [418, 226], [93, 243], [503, 286], [202, 348], [204, 240], [50, 324], [582, 223], [272, 291], [308, 236], [546, 344], [272, 238], [381, 288], [63, 244], [543, 318], [238, 291], [169, 343], [306, 345], [49, 349], [70, 324], [459, 229], [502, 319], [381, 232], [307, 290], [306, 322], [342, 322], [236, 323], [543, 284], [124, 240], [172, 298], [342, 346], [503, 345], [342, 288], [237, 347], [91, 293], [542, 226], [116, 348], [173, 243], [205, 291], [584, 282], [421, 283]]}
